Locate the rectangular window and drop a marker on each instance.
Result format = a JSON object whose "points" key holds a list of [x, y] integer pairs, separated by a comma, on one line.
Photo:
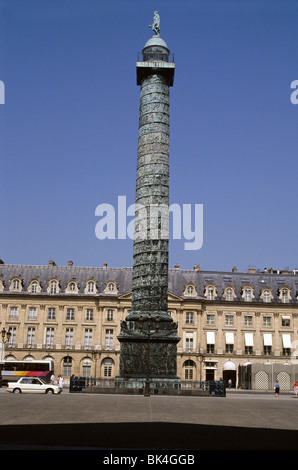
{"points": [[49, 337], [13, 337], [31, 337], [109, 339], [89, 314], [88, 338], [32, 313], [285, 321], [267, 350], [248, 320], [189, 344], [229, 320], [14, 312], [110, 315], [51, 313], [69, 337], [210, 319], [189, 317], [266, 321], [70, 314], [188, 375]]}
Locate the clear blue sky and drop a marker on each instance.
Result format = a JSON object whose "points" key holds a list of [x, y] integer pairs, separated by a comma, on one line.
{"points": [[70, 121]]}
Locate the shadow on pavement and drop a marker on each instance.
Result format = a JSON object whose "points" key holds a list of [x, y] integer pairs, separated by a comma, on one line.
{"points": [[145, 436]]}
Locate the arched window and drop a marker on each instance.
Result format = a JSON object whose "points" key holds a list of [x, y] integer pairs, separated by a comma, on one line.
{"points": [[67, 365], [53, 287], [229, 293], [266, 295], [190, 290], [34, 287], [16, 285], [86, 367], [285, 295], [72, 287], [91, 286], [210, 292], [247, 293]]}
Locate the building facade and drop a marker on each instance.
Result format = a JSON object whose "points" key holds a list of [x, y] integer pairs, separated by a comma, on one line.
{"points": [[226, 320]]}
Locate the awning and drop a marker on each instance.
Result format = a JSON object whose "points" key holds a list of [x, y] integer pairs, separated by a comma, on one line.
{"points": [[229, 338], [249, 339], [267, 339], [210, 337], [286, 341], [229, 365]]}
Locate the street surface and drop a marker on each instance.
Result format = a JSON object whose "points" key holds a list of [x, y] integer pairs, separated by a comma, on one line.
{"points": [[240, 421]]}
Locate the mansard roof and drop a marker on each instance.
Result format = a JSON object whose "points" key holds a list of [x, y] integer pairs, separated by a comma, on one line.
{"points": [[179, 279]]}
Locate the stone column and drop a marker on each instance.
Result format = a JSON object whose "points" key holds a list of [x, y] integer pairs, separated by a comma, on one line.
{"points": [[150, 257]]}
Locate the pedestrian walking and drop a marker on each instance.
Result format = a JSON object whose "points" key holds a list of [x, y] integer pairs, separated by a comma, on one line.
{"points": [[276, 387], [230, 383], [296, 389], [60, 381], [52, 378]]}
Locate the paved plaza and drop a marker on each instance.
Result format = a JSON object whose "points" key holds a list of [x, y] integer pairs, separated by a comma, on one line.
{"points": [[239, 421]]}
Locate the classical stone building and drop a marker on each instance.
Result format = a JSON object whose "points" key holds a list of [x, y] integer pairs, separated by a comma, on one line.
{"points": [[225, 319]]}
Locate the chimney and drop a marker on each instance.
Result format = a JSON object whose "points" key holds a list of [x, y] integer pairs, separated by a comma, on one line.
{"points": [[52, 263], [70, 264], [234, 269]]}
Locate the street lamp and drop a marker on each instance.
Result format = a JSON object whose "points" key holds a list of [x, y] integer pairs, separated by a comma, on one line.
{"points": [[7, 334], [152, 326]]}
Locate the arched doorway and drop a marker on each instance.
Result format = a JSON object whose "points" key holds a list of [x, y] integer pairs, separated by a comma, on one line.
{"points": [[189, 368], [107, 368], [86, 367], [229, 371], [67, 366]]}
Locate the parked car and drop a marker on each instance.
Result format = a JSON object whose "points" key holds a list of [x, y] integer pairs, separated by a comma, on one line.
{"points": [[32, 385]]}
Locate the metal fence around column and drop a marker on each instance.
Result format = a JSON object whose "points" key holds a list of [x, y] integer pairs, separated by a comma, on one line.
{"points": [[198, 388]]}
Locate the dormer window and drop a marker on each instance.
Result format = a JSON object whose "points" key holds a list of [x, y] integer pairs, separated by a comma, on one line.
{"points": [[266, 295], [53, 287], [34, 287], [16, 285], [72, 287], [190, 290], [210, 292], [285, 295], [247, 293], [90, 287], [229, 293], [111, 288]]}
